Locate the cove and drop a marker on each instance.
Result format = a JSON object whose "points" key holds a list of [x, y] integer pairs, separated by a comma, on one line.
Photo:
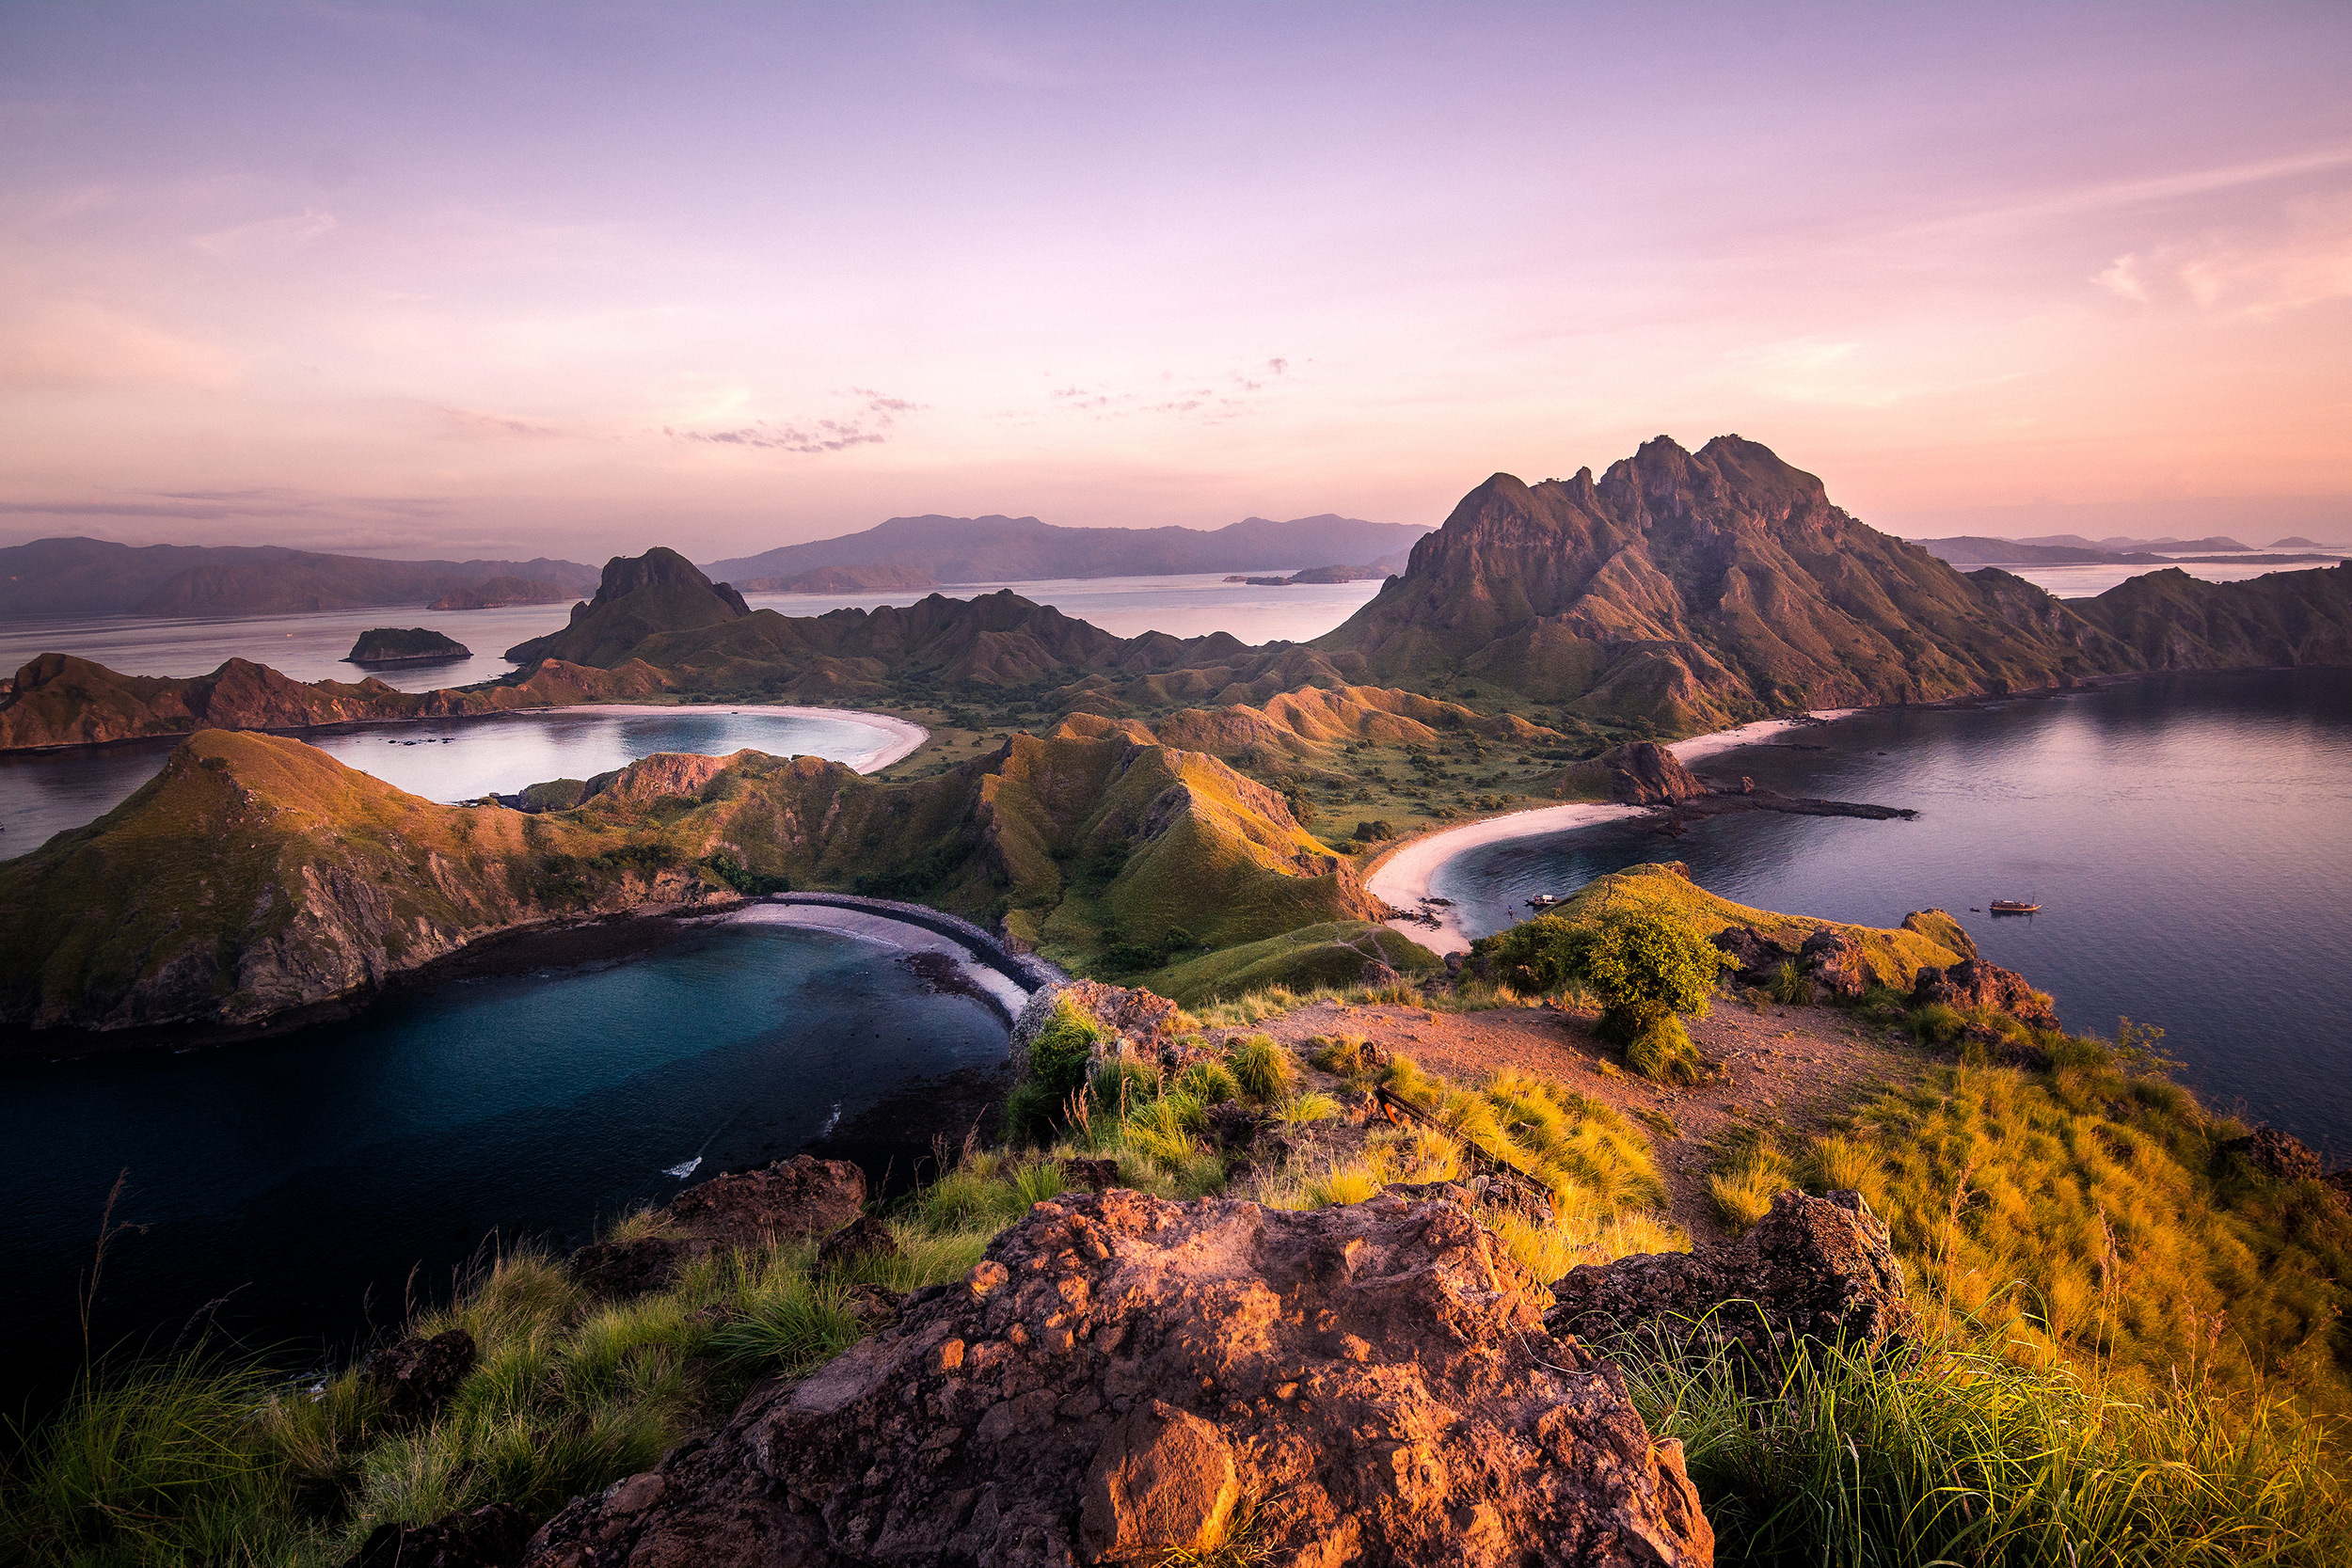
{"points": [[457, 759], [2185, 834], [287, 1188]]}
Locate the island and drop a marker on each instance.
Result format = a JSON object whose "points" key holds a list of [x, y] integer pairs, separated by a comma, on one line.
{"points": [[383, 645]]}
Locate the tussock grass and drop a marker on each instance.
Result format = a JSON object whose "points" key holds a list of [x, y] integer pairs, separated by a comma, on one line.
{"points": [[1952, 1453]]}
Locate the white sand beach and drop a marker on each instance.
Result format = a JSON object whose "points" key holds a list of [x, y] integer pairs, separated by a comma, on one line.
{"points": [[885, 932], [1404, 879], [902, 736]]}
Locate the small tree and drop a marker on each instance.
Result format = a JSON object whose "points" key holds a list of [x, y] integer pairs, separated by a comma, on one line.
{"points": [[1643, 968]]}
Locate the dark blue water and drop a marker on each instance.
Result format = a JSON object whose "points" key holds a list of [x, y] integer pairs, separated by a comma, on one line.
{"points": [[2190, 840], [301, 1179]]}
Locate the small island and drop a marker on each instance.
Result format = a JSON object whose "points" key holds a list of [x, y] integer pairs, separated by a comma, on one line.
{"points": [[383, 645]]}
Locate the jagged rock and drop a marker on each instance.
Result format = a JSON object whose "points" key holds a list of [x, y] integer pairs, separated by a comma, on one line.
{"points": [[1813, 1269], [1759, 955], [1833, 961], [874, 1306], [2281, 1156], [863, 1237], [1376, 976], [1233, 1126], [1973, 983], [1362, 1383], [800, 1196], [1644, 773], [490, 1537], [417, 1374], [620, 1269]]}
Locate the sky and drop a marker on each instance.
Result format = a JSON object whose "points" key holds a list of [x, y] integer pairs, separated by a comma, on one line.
{"points": [[506, 280]]}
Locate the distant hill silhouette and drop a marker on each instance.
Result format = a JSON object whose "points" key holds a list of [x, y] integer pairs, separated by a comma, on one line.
{"points": [[1023, 549], [96, 576]]}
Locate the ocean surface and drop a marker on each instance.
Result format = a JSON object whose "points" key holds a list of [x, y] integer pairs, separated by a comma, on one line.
{"points": [[2187, 838], [311, 647], [441, 759], [284, 1191]]}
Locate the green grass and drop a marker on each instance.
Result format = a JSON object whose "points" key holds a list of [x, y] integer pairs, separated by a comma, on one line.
{"points": [[1953, 1454]]}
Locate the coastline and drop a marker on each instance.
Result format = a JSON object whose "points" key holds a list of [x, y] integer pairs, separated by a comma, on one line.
{"points": [[1403, 877], [1005, 994], [905, 734]]}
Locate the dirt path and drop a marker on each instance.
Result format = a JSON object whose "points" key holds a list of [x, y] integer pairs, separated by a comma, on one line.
{"points": [[1801, 1068]]}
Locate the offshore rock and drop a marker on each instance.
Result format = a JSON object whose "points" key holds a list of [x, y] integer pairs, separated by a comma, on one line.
{"points": [[1644, 773], [1124, 1378], [1973, 983], [1815, 1269], [800, 1196]]}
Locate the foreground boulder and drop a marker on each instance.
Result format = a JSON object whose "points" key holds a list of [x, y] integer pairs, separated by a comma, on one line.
{"points": [[487, 1537], [417, 1375], [1815, 1269], [1972, 983], [1121, 1379]]}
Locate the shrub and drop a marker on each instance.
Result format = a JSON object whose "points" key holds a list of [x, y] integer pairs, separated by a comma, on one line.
{"points": [[1789, 986], [1210, 1082], [1059, 1054], [1641, 966], [1664, 1052], [1936, 1024], [1343, 1055], [1261, 1068]]}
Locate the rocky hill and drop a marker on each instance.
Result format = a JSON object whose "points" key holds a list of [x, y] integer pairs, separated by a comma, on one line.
{"points": [[638, 598], [1700, 589], [256, 875], [58, 700], [96, 576], [1023, 549]]}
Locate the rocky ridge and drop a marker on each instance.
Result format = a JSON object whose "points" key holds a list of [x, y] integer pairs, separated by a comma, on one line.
{"points": [[1124, 1377]]}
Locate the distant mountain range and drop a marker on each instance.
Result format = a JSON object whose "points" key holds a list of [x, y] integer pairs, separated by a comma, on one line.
{"points": [[94, 577], [2067, 549], [1022, 549]]}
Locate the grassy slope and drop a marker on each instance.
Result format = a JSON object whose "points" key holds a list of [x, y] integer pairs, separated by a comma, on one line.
{"points": [[1894, 955], [252, 862]]}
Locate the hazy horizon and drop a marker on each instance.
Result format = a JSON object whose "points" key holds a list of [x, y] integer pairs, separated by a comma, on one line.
{"points": [[504, 281]]}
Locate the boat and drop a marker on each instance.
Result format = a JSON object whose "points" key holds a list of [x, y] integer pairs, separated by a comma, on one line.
{"points": [[2013, 906], [1545, 901]]}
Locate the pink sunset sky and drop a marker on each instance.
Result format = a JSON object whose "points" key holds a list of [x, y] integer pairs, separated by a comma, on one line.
{"points": [[445, 279]]}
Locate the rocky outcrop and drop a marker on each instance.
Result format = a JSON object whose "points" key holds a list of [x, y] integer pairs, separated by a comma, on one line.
{"points": [[416, 1375], [1815, 1269], [1124, 1378], [800, 1196], [1972, 983], [2281, 1156], [1140, 1025], [488, 1537], [1647, 774], [1833, 961]]}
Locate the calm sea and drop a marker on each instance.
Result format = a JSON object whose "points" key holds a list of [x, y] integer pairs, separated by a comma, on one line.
{"points": [[442, 759], [285, 1189], [2187, 838]]}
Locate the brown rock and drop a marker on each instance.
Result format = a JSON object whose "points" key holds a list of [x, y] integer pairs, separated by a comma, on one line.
{"points": [[863, 1237], [1362, 1383], [1833, 961], [1644, 773], [1759, 955], [490, 1537], [1817, 1269], [615, 1270], [2281, 1156], [1163, 1481], [416, 1375], [1093, 1175], [1973, 983], [800, 1196]]}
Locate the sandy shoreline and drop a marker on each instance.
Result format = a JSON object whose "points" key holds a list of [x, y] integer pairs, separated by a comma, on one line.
{"points": [[1404, 879], [885, 932], [905, 735]]}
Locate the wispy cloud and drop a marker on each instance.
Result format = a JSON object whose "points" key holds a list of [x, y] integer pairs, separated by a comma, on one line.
{"points": [[2258, 278], [289, 231], [869, 426]]}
